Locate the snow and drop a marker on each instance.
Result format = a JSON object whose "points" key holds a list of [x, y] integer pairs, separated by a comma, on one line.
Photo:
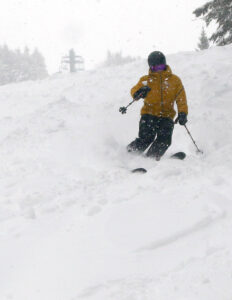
{"points": [[76, 224]]}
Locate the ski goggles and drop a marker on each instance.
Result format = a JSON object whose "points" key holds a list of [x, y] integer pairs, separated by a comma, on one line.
{"points": [[158, 68]]}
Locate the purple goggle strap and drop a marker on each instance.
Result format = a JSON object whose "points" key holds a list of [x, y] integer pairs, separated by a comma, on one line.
{"points": [[158, 68]]}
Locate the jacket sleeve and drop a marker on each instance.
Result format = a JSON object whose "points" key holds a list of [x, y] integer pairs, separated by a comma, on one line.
{"points": [[141, 83], [181, 99]]}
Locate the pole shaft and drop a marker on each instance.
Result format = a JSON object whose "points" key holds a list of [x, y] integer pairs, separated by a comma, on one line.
{"points": [[192, 139], [130, 103]]}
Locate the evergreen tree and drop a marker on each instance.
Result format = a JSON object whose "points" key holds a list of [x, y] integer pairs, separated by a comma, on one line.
{"points": [[6, 59], [219, 11], [26, 64], [203, 41], [38, 65]]}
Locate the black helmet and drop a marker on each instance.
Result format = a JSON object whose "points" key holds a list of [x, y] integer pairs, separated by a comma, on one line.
{"points": [[156, 58]]}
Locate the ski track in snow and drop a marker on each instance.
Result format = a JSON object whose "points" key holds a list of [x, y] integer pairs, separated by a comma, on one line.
{"points": [[75, 223], [202, 224]]}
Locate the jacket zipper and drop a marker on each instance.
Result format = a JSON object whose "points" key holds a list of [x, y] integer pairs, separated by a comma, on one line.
{"points": [[161, 92]]}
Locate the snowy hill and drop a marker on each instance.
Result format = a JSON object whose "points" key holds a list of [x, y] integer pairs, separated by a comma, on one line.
{"points": [[76, 224]]}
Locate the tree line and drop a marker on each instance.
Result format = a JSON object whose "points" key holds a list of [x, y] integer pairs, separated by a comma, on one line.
{"points": [[17, 65]]}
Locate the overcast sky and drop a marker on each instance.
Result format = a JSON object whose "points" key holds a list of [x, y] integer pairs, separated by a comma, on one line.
{"points": [[91, 27]]}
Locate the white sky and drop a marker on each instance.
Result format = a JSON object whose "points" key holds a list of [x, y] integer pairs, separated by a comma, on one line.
{"points": [[91, 27]]}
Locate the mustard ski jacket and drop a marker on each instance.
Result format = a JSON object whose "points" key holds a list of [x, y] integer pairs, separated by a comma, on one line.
{"points": [[166, 90]]}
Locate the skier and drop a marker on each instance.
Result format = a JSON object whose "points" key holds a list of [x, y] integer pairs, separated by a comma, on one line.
{"points": [[160, 89]]}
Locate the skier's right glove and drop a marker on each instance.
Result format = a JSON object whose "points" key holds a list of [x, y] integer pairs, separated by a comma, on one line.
{"points": [[182, 118], [141, 93]]}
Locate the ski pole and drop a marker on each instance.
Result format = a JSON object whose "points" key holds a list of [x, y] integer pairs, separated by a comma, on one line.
{"points": [[141, 93], [123, 109], [198, 150]]}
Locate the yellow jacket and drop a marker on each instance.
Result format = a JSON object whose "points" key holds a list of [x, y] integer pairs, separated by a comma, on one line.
{"points": [[166, 89]]}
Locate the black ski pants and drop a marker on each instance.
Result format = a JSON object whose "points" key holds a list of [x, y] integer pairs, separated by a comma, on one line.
{"points": [[155, 132]]}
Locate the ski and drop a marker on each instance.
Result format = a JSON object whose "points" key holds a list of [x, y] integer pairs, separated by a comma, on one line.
{"points": [[177, 155], [139, 170]]}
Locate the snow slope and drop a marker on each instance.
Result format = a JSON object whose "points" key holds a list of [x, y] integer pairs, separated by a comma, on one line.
{"points": [[76, 224]]}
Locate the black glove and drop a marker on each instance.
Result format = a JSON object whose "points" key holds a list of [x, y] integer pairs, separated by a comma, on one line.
{"points": [[141, 93], [182, 118]]}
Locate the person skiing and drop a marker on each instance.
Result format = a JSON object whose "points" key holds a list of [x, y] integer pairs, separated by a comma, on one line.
{"points": [[160, 89]]}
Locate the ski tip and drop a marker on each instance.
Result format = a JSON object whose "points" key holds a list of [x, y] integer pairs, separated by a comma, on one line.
{"points": [[179, 155], [139, 170]]}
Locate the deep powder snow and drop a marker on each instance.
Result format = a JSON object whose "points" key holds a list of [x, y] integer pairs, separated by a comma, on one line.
{"points": [[76, 224]]}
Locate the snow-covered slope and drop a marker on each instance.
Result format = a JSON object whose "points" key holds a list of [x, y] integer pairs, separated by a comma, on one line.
{"points": [[76, 224]]}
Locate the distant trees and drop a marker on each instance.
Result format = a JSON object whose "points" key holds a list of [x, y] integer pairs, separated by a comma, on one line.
{"points": [[18, 66], [203, 41], [219, 11], [115, 59]]}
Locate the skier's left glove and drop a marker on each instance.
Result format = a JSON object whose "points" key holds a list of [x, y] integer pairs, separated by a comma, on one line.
{"points": [[141, 93], [182, 118]]}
